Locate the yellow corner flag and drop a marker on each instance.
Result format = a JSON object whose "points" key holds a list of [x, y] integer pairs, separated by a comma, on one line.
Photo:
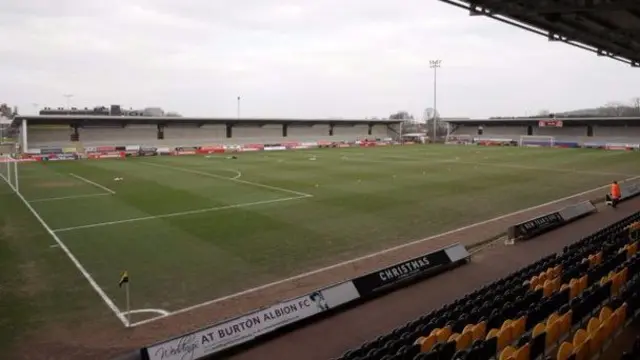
{"points": [[123, 279]]}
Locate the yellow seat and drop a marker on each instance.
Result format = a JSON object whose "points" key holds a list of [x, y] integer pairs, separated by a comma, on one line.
{"points": [[616, 283], [552, 318], [593, 325], [479, 331], [605, 313], [507, 353], [518, 327], [523, 353], [595, 335], [533, 284], [426, 343], [621, 314], [580, 337], [539, 329], [557, 271], [550, 274], [542, 277], [583, 281], [632, 249], [624, 273], [454, 337], [553, 333], [564, 323], [547, 288], [443, 334], [504, 338], [564, 351], [464, 341], [468, 328], [574, 285]]}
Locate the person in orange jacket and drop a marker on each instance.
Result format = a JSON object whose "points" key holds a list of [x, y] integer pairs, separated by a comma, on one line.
{"points": [[614, 196]]}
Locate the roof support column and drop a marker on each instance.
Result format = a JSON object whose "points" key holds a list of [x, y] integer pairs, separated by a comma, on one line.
{"points": [[25, 144], [160, 134], [285, 130], [331, 129], [229, 130], [75, 135]]}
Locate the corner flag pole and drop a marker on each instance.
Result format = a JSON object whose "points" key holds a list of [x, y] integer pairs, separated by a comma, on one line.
{"points": [[128, 304], [124, 280]]}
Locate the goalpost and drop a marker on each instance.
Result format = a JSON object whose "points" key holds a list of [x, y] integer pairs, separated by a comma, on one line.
{"points": [[537, 141], [9, 172]]}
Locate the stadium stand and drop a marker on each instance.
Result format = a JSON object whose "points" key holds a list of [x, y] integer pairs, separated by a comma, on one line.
{"points": [[56, 136], [564, 306]]}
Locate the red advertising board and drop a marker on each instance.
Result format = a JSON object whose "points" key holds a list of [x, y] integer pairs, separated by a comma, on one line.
{"points": [[550, 123], [211, 150]]}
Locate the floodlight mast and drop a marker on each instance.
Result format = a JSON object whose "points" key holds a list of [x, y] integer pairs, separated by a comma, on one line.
{"points": [[435, 64]]}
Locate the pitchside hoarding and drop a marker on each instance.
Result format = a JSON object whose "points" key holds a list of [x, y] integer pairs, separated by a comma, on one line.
{"points": [[245, 328], [242, 329]]}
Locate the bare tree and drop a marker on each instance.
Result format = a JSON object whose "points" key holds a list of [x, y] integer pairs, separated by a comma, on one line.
{"points": [[544, 113], [615, 108], [5, 111], [635, 103]]}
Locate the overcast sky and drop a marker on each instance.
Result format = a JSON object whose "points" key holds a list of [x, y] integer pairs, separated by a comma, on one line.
{"points": [[292, 58]]}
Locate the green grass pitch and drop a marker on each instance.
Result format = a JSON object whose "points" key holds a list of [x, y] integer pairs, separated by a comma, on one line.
{"points": [[191, 229]]}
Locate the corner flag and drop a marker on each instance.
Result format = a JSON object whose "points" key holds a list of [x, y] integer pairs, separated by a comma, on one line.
{"points": [[123, 279]]}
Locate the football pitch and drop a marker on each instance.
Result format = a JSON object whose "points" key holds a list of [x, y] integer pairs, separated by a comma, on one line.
{"points": [[192, 229]]}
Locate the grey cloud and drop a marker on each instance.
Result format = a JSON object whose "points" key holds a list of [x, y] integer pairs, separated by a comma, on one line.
{"points": [[291, 58]]}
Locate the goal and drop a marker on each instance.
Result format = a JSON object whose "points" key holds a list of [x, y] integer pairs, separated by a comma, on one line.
{"points": [[461, 139], [9, 172], [537, 141]]}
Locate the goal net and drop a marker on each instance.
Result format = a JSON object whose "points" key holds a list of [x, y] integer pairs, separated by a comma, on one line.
{"points": [[9, 172], [537, 141], [459, 139]]}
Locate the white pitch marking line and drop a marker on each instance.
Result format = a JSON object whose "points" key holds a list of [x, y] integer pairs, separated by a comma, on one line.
{"points": [[190, 212], [142, 311], [93, 183], [227, 178], [77, 263], [313, 272], [238, 174], [524, 167], [66, 197]]}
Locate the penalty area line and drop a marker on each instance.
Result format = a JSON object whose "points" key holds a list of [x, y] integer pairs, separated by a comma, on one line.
{"points": [[107, 300], [236, 179], [67, 197], [389, 250], [93, 183], [182, 213]]}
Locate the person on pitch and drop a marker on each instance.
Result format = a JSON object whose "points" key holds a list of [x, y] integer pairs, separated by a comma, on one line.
{"points": [[614, 196]]}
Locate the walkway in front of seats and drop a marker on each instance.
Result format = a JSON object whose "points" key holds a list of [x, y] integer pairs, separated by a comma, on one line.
{"points": [[331, 337]]}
